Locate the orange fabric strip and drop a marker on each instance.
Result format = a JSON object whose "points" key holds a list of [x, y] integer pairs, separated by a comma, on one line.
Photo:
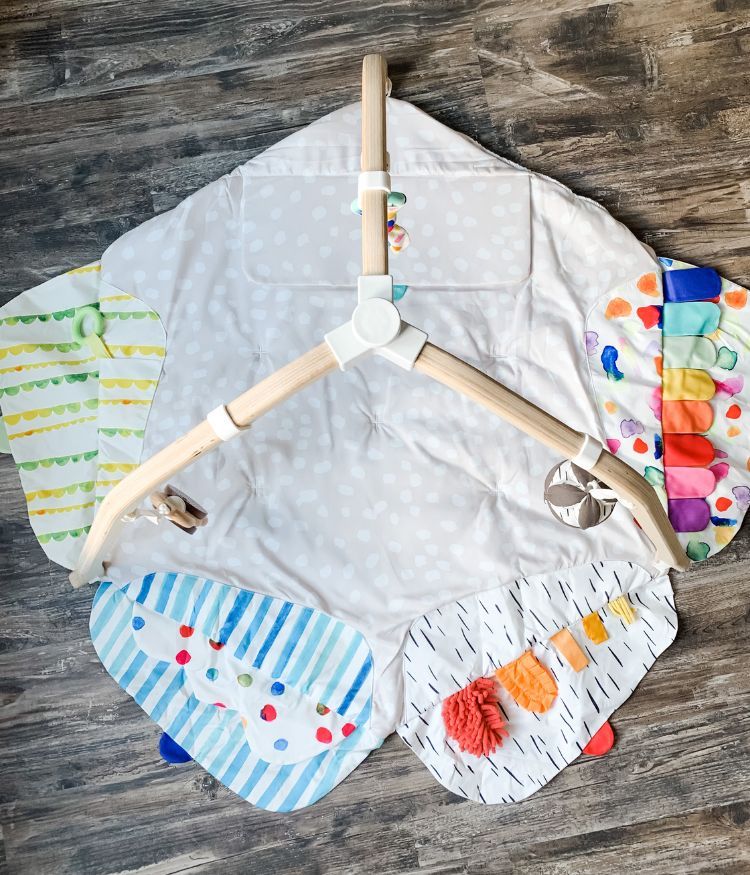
{"points": [[594, 628], [568, 647], [686, 417], [529, 683]]}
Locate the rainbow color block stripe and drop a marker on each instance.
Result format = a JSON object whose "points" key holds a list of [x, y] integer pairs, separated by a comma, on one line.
{"points": [[691, 314]]}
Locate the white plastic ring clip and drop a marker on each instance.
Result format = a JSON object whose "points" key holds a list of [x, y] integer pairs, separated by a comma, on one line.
{"points": [[223, 425], [373, 180], [589, 454]]}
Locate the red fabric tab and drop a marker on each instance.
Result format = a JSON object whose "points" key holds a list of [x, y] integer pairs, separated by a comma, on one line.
{"points": [[687, 451], [601, 741]]}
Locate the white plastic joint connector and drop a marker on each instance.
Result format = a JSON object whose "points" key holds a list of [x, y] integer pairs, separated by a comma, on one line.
{"points": [[375, 322], [376, 327], [375, 286], [373, 180], [223, 425], [589, 454]]}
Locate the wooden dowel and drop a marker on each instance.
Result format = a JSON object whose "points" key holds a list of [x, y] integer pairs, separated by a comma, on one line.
{"points": [[374, 204], [244, 410], [532, 420]]}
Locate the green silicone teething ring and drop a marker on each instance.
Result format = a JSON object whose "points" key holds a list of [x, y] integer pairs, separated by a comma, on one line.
{"points": [[93, 339], [80, 317]]}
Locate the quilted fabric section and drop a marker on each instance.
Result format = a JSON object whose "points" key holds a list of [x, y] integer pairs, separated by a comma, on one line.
{"points": [[454, 645], [270, 697], [75, 421]]}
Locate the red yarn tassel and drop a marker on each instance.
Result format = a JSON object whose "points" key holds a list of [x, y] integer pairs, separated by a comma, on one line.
{"points": [[472, 717]]}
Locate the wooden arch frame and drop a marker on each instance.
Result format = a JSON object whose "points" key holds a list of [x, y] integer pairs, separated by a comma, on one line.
{"points": [[320, 361]]}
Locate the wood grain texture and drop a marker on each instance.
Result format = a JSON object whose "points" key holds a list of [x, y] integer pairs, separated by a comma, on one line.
{"points": [[113, 112]]}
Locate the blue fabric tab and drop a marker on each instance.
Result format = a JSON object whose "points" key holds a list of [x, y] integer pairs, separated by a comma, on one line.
{"points": [[695, 284], [171, 752], [698, 318]]}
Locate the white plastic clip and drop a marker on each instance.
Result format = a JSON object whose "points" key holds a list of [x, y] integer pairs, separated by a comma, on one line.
{"points": [[223, 425], [377, 180], [375, 286], [589, 454]]}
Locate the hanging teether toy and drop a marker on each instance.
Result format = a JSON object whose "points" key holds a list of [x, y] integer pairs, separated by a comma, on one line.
{"points": [[88, 319], [398, 237]]}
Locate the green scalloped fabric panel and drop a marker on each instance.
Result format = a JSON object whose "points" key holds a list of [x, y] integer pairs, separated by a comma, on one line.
{"points": [[75, 421]]}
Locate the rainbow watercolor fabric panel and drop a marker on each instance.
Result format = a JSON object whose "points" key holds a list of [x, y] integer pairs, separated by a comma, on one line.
{"points": [[667, 356]]}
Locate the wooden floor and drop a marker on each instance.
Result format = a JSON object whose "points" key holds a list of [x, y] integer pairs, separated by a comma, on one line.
{"points": [[111, 112]]}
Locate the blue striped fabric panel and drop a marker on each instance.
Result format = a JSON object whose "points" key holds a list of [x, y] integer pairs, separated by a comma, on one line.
{"points": [[301, 647]]}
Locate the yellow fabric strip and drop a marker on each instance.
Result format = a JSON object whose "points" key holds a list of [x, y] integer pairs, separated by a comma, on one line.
{"points": [[123, 401], [687, 384], [122, 383], [623, 609]]}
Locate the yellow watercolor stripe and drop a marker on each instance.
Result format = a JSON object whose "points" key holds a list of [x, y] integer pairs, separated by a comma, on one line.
{"points": [[56, 410], [20, 434], [45, 511], [118, 466], [108, 482], [59, 491], [22, 348], [123, 401], [137, 350], [71, 362], [91, 268], [116, 298], [125, 383]]}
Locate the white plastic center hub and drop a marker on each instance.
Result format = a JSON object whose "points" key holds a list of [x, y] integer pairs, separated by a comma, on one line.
{"points": [[376, 322]]}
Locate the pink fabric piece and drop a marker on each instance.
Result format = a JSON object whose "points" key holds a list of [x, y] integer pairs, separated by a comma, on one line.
{"points": [[689, 482], [731, 386], [655, 402], [720, 470]]}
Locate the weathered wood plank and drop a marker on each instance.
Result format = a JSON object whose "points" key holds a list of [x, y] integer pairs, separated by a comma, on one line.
{"points": [[113, 112], [625, 102]]}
